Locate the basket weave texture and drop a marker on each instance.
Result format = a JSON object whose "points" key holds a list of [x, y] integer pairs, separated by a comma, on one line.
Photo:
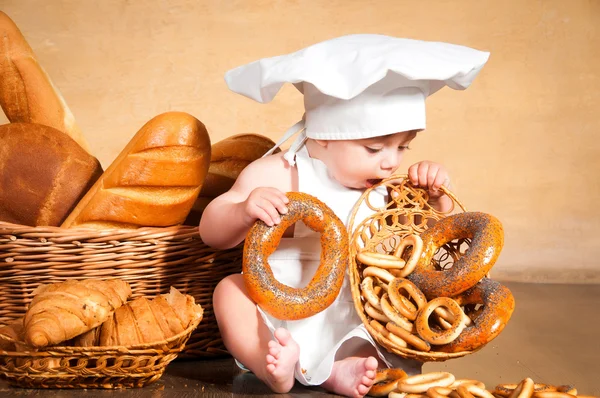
{"points": [[92, 367], [150, 259], [406, 212]]}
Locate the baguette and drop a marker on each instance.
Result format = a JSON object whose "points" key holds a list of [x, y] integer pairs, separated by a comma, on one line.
{"points": [[153, 182], [43, 174], [26, 92]]}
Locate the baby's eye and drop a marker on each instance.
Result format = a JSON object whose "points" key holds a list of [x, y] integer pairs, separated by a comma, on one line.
{"points": [[372, 150], [403, 147]]}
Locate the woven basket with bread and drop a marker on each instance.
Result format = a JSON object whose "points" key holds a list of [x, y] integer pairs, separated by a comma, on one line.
{"points": [[419, 277], [88, 334], [62, 217]]}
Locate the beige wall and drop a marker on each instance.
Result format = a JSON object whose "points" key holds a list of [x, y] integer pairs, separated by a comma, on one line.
{"points": [[521, 143]]}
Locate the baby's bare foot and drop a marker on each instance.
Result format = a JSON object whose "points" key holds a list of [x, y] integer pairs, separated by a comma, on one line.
{"points": [[352, 377], [281, 361]]}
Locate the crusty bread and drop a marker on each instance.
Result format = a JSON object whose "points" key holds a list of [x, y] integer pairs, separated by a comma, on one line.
{"points": [[154, 181], [43, 174], [228, 158], [144, 321], [26, 92]]}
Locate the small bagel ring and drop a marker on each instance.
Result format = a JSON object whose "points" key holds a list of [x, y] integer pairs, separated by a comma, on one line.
{"points": [[444, 336], [504, 390], [394, 315], [380, 260], [385, 381], [410, 338], [366, 287], [524, 389], [417, 244], [394, 341], [439, 392], [421, 383], [398, 300], [380, 273]]}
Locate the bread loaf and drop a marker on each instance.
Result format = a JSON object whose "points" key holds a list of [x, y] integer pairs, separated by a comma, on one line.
{"points": [[154, 181], [142, 321], [43, 174], [26, 92], [61, 311], [228, 158]]}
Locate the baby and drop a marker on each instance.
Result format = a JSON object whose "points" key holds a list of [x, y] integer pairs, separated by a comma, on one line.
{"points": [[351, 137]]}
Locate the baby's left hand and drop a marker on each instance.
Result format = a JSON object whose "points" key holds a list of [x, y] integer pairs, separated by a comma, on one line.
{"points": [[430, 175]]}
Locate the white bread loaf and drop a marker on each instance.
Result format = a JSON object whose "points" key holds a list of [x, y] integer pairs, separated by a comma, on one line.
{"points": [[43, 174], [26, 92], [228, 158], [154, 181]]}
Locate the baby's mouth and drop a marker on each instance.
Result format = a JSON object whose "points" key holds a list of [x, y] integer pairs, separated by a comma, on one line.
{"points": [[373, 181]]}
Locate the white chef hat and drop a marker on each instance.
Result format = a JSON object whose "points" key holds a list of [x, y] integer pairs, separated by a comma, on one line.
{"points": [[359, 86]]}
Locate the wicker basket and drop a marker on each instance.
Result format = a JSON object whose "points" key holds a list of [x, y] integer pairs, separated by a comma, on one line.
{"points": [[405, 212], [92, 367], [150, 259]]}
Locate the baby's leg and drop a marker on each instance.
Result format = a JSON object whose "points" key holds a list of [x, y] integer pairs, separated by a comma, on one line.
{"points": [[249, 340], [353, 376]]}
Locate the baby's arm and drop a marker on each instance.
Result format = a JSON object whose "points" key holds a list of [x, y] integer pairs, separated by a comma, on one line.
{"points": [[432, 176], [258, 193]]}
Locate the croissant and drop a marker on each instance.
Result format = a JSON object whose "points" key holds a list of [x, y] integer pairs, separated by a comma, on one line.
{"points": [[61, 311], [14, 330], [143, 321]]}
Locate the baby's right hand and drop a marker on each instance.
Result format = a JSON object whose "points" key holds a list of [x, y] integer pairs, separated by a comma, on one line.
{"points": [[266, 204]]}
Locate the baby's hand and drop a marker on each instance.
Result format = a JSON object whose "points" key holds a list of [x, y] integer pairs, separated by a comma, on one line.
{"points": [[265, 204], [429, 175]]}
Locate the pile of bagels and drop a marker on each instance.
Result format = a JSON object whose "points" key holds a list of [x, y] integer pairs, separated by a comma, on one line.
{"points": [[394, 383], [165, 176], [410, 304]]}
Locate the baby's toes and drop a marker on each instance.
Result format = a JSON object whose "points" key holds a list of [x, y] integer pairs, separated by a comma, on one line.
{"points": [[274, 349], [362, 389], [271, 359], [367, 381]]}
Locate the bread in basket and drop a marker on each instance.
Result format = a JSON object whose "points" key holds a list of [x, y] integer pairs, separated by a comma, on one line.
{"points": [[87, 334]]}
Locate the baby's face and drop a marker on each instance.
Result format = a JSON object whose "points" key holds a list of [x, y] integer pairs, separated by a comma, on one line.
{"points": [[362, 163]]}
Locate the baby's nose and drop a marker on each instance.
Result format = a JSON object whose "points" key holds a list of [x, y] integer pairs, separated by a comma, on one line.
{"points": [[390, 162]]}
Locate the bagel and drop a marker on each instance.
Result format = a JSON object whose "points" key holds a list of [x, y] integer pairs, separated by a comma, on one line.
{"points": [[498, 306], [282, 301], [487, 238]]}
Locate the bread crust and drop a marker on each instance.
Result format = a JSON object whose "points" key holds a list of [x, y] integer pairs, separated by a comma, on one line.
{"points": [[26, 92], [43, 174], [154, 181]]}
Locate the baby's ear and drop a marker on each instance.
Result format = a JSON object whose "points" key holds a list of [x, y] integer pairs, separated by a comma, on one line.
{"points": [[323, 143]]}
